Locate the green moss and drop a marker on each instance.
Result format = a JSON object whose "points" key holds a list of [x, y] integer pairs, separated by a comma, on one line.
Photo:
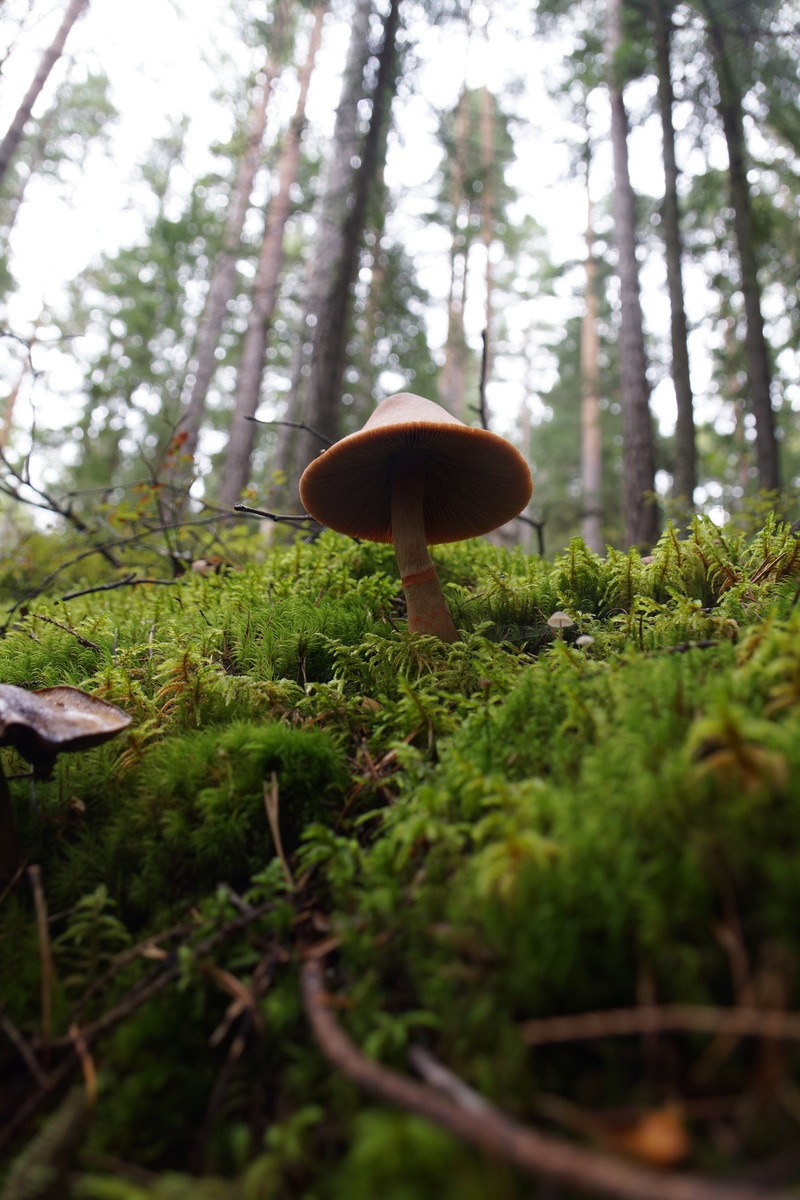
{"points": [[514, 826]]}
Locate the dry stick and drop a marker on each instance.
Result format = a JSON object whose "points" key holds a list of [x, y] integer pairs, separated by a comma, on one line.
{"points": [[260, 512], [294, 425], [128, 581], [25, 1052], [446, 1081], [272, 805], [82, 640], [692, 1018], [154, 984], [45, 955], [501, 1135]]}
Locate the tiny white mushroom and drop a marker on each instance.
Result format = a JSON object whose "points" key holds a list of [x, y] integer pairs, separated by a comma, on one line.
{"points": [[584, 640], [560, 620]]}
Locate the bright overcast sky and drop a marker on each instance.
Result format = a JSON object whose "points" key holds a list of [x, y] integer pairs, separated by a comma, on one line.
{"points": [[164, 58]]}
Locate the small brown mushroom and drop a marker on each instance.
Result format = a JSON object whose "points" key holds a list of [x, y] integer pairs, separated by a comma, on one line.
{"points": [[41, 725], [416, 476]]}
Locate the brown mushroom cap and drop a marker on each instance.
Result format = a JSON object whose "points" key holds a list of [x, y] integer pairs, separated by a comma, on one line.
{"points": [[475, 480], [43, 724]]}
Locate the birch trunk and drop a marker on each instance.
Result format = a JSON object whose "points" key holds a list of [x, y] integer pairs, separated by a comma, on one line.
{"points": [[16, 130], [265, 290]]}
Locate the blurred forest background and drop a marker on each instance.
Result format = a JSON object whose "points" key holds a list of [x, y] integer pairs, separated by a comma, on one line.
{"points": [[641, 348]]}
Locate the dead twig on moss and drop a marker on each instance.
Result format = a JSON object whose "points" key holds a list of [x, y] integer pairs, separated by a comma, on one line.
{"points": [[24, 1050], [666, 1018], [499, 1134], [58, 624], [272, 806], [138, 995], [45, 955], [127, 581]]}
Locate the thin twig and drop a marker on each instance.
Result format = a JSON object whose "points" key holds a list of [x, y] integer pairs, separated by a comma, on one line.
{"points": [[24, 1050], [482, 413], [83, 641], [653, 1018], [260, 512], [45, 955], [294, 425], [446, 1081], [128, 581], [500, 1135], [272, 805]]}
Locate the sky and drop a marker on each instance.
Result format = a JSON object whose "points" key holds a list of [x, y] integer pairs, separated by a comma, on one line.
{"points": [[166, 58]]}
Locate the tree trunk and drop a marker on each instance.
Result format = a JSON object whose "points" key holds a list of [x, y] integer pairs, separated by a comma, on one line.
{"points": [[638, 451], [759, 373], [685, 477], [13, 137], [487, 111], [265, 290], [591, 444], [453, 377], [223, 275], [340, 227]]}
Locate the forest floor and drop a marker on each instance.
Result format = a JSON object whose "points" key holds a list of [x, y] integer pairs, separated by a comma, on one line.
{"points": [[349, 912]]}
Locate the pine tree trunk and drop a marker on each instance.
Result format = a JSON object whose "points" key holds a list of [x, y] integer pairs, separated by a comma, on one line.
{"points": [[638, 451], [265, 290], [487, 110], [340, 227], [452, 380], [729, 106], [16, 130], [685, 477], [223, 276], [591, 444]]}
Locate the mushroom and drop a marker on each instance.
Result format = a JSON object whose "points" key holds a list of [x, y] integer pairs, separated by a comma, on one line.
{"points": [[41, 725], [416, 476], [560, 621]]}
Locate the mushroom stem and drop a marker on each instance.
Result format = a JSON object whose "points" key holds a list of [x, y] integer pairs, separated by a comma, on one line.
{"points": [[427, 607]]}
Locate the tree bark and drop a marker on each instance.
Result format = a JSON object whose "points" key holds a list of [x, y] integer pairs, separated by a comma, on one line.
{"points": [[487, 112], [453, 377], [340, 226], [16, 130], [638, 451], [265, 289], [729, 107], [685, 476], [223, 275], [591, 444]]}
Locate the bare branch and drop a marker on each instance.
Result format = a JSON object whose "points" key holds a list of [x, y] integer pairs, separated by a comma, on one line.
{"points": [[128, 581], [652, 1018], [294, 425], [259, 512], [499, 1134]]}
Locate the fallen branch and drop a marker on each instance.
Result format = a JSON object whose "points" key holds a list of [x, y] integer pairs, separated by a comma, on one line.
{"points": [[501, 1135], [82, 640], [651, 1018]]}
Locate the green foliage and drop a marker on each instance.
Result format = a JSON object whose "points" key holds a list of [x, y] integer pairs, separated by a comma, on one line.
{"points": [[513, 826]]}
